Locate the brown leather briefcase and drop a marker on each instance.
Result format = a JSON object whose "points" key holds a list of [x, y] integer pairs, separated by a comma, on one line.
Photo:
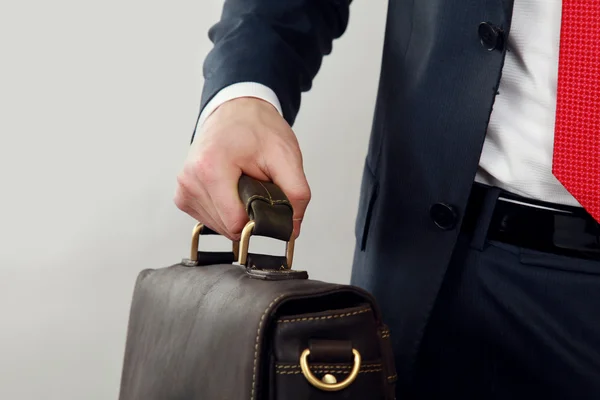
{"points": [[210, 329]]}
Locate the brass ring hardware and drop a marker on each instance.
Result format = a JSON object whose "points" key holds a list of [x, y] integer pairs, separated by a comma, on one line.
{"points": [[328, 384], [245, 244], [196, 239]]}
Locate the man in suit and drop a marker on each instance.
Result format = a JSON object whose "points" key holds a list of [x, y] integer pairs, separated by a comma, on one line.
{"points": [[477, 229]]}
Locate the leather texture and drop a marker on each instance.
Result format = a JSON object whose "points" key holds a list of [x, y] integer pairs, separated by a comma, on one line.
{"points": [[268, 207], [276, 275], [331, 335], [207, 231], [270, 266], [263, 261], [209, 257], [548, 228], [335, 351], [214, 332]]}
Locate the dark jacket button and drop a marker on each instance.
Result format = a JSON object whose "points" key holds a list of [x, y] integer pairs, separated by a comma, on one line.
{"points": [[491, 36], [444, 216]]}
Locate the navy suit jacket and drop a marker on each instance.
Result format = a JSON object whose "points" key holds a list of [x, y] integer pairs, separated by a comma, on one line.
{"points": [[442, 62]]}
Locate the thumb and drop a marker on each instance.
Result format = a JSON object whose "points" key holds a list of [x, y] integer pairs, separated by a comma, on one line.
{"points": [[289, 176]]}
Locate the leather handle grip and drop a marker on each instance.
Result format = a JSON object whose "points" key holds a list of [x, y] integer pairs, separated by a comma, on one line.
{"points": [[268, 207]]}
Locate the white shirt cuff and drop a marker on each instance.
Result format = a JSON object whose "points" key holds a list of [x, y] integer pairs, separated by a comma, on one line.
{"points": [[241, 89]]}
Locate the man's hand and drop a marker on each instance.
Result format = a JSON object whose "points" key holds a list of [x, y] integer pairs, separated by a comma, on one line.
{"points": [[242, 136]]}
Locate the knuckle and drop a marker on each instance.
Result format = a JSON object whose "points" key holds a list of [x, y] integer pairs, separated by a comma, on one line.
{"points": [[205, 169], [182, 202], [234, 226], [300, 193], [183, 183], [285, 145], [181, 199], [285, 151]]}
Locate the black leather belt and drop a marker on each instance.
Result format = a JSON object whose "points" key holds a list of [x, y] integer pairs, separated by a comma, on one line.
{"points": [[535, 225]]}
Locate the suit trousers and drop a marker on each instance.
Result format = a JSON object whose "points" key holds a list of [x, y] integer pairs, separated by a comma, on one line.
{"points": [[511, 323]]}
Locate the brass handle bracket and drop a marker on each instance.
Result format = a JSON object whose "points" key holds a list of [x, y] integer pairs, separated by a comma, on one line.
{"points": [[245, 244], [196, 232]]}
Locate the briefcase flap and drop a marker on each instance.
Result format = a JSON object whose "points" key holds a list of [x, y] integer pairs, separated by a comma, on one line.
{"points": [[203, 332]]}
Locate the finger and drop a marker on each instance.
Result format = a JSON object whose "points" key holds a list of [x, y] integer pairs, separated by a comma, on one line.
{"points": [[204, 200], [221, 185], [203, 203], [191, 198], [225, 196], [288, 174], [192, 205], [297, 226]]}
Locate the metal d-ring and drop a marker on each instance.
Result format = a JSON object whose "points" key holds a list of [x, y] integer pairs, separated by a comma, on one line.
{"points": [[245, 244], [328, 383], [196, 232]]}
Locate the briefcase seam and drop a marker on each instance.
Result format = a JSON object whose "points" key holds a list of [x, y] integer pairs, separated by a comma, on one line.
{"points": [[260, 324], [257, 343], [328, 371], [317, 366], [344, 315], [270, 201]]}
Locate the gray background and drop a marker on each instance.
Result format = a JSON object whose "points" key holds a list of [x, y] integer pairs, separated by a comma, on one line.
{"points": [[97, 103]]}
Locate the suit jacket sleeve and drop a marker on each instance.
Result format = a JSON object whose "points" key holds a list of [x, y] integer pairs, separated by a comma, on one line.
{"points": [[277, 43]]}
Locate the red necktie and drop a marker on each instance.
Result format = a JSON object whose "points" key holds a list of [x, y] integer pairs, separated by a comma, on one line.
{"points": [[576, 161]]}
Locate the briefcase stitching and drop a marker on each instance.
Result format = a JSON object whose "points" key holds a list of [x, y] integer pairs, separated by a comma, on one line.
{"points": [[270, 201], [350, 314], [318, 366], [257, 343], [262, 318], [273, 202], [384, 333], [328, 371]]}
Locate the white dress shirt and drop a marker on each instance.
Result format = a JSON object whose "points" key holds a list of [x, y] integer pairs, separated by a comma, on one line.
{"points": [[517, 153]]}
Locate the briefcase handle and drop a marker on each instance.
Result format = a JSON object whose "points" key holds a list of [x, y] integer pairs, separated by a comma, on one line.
{"points": [[270, 213], [268, 207]]}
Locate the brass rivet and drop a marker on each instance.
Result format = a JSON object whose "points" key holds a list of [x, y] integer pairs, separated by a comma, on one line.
{"points": [[329, 379]]}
